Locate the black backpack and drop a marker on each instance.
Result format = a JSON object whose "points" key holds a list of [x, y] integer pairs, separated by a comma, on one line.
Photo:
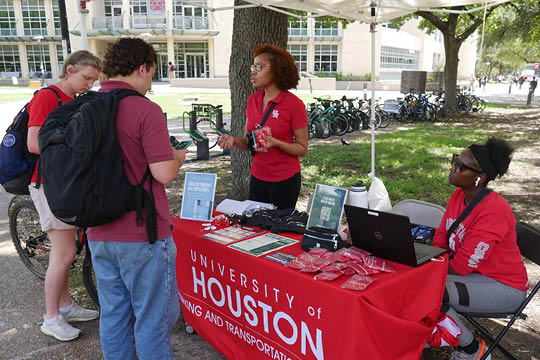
{"points": [[83, 176], [16, 162]]}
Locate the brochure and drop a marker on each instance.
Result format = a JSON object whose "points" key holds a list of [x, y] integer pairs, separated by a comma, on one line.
{"points": [[198, 199], [263, 244], [232, 233], [327, 207], [229, 206], [280, 257]]}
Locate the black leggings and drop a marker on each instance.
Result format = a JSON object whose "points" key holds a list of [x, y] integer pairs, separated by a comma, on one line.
{"points": [[283, 194]]}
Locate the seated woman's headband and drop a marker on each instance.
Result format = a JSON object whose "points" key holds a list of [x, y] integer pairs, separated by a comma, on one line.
{"points": [[483, 156]]}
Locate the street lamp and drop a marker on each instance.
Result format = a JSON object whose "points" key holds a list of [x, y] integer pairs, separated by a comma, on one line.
{"points": [[38, 38]]}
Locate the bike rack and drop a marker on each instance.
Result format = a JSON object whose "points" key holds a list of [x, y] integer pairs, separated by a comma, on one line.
{"points": [[201, 140], [219, 127]]}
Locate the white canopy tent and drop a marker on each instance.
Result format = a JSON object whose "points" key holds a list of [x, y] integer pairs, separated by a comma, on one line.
{"points": [[368, 11]]}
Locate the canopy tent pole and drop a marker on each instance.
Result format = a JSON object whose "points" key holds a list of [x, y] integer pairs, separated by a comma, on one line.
{"points": [[372, 28], [372, 120]]}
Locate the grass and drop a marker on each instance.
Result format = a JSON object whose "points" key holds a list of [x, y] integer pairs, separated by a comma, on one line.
{"points": [[412, 163], [7, 98]]}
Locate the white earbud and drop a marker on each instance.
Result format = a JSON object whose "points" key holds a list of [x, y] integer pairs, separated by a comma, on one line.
{"points": [[477, 181]]}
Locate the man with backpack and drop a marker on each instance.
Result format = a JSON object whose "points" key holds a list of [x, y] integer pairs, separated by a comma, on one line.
{"points": [[136, 278]]}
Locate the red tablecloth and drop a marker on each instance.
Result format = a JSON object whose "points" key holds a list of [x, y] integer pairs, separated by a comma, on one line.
{"points": [[252, 308]]}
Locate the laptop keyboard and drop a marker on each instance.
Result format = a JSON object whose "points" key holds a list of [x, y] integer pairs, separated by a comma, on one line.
{"points": [[420, 253]]}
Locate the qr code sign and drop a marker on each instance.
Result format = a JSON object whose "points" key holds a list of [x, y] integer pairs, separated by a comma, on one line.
{"points": [[325, 213]]}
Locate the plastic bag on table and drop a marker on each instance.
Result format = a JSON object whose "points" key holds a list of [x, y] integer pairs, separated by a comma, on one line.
{"points": [[378, 198], [316, 265], [357, 282], [337, 266], [363, 270], [328, 275], [318, 252], [300, 261], [379, 264]]}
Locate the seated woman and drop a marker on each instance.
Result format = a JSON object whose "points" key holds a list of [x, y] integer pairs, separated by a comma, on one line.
{"points": [[486, 272], [275, 171]]}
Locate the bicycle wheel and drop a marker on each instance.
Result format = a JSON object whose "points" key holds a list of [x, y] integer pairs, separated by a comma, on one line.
{"points": [[32, 244], [319, 128], [89, 278], [463, 105], [386, 119], [445, 113], [338, 125]]}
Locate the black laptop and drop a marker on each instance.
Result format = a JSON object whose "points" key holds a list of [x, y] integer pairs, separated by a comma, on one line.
{"points": [[387, 236]]}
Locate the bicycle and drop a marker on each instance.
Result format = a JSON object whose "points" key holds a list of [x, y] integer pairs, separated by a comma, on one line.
{"points": [[33, 245]]}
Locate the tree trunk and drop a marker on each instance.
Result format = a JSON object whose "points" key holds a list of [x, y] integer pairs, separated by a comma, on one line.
{"points": [[451, 49], [251, 27]]}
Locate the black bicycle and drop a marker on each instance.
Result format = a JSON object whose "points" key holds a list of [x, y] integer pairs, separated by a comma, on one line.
{"points": [[33, 244]]}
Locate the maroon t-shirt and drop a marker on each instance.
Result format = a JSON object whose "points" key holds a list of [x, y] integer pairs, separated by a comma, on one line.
{"points": [[143, 137]]}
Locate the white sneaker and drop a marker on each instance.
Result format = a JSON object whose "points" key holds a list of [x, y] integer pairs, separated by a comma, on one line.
{"points": [[462, 355], [59, 329], [77, 313]]}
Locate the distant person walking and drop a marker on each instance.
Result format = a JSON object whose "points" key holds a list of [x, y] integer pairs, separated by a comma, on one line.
{"points": [[172, 69], [532, 87], [521, 81]]}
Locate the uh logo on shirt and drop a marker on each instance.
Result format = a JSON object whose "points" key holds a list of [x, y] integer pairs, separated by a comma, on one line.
{"points": [[480, 250]]}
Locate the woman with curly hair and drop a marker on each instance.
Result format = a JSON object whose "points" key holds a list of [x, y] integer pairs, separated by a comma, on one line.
{"points": [[486, 273], [275, 171]]}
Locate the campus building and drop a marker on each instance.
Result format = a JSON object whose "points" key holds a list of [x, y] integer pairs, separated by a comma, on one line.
{"points": [[198, 41]]}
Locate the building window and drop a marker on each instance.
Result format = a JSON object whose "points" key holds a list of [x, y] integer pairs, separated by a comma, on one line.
{"points": [[326, 28], [326, 58], [139, 7], [397, 58], [60, 57], [190, 17], [9, 60], [109, 4], [34, 18], [299, 53], [8, 23], [191, 60], [297, 27], [39, 60], [56, 17]]}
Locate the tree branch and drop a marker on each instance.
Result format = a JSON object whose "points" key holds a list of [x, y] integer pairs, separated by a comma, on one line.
{"points": [[434, 19], [476, 23]]}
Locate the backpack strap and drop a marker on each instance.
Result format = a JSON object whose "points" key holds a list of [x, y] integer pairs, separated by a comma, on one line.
{"points": [[146, 200], [477, 199], [38, 178]]}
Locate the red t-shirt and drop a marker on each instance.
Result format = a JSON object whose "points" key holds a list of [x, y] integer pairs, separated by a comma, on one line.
{"points": [[288, 115], [143, 137], [485, 241], [40, 106]]}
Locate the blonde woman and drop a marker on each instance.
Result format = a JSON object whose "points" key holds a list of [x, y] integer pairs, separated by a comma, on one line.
{"points": [[80, 71]]}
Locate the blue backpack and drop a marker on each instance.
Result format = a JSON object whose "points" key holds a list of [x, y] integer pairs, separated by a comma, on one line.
{"points": [[16, 162]]}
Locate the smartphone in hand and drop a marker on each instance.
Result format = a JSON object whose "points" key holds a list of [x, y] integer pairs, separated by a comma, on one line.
{"points": [[183, 145]]}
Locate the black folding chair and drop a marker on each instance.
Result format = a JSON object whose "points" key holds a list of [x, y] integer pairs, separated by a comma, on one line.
{"points": [[528, 239]]}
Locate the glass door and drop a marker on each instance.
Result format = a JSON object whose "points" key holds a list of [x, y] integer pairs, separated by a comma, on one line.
{"points": [[195, 66], [162, 68]]}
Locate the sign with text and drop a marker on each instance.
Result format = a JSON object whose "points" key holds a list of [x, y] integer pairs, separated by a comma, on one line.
{"points": [[198, 199], [327, 207]]}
